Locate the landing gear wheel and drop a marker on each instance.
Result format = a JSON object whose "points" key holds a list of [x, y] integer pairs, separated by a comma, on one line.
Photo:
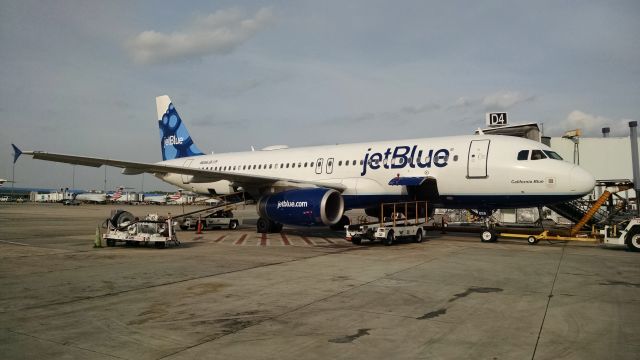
{"points": [[634, 240], [389, 239], [532, 240], [488, 236], [268, 226], [418, 237], [356, 241], [263, 225], [111, 242], [233, 225], [339, 226], [159, 244]]}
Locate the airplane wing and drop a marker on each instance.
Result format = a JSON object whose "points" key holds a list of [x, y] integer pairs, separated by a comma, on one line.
{"points": [[198, 175]]}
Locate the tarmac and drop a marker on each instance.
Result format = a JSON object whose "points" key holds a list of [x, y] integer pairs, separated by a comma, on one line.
{"points": [[307, 294]]}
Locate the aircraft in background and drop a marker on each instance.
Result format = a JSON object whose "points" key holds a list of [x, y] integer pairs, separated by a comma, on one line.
{"points": [[316, 185], [92, 197], [2, 181], [155, 198]]}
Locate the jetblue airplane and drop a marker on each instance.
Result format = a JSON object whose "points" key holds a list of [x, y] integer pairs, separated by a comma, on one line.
{"points": [[2, 181], [316, 185]]}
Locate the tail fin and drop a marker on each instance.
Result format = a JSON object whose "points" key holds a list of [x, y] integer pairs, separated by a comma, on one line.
{"points": [[175, 140]]}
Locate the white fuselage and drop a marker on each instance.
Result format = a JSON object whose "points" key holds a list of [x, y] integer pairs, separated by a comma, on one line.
{"points": [[470, 171]]}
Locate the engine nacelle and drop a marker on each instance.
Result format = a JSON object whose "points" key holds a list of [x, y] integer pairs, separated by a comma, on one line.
{"points": [[317, 206]]}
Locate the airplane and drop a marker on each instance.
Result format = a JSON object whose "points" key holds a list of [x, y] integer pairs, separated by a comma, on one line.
{"points": [[92, 197], [316, 185], [155, 198], [2, 181]]}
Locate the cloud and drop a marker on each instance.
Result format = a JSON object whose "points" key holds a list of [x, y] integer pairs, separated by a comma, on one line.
{"points": [[215, 34], [591, 125], [415, 110], [461, 103], [504, 100]]}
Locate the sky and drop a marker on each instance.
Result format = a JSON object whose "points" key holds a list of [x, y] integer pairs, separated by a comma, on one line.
{"points": [[81, 77]]}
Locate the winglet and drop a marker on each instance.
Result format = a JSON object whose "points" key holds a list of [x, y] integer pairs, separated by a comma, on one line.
{"points": [[16, 153]]}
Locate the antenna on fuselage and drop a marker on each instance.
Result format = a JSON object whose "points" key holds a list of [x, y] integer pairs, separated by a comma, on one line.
{"points": [[480, 131]]}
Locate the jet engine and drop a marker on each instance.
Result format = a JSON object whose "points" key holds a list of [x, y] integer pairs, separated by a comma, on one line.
{"points": [[316, 206]]}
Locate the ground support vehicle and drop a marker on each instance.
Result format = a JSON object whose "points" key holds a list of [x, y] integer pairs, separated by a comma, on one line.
{"points": [[629, 235], [398, 227], [153, 230], [219, 219]]}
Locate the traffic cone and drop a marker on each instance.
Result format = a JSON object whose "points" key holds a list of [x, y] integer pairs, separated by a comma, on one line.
{"points": [[199, 227]]}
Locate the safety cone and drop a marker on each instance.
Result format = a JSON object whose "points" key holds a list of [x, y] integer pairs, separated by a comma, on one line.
{"points": [[199, 227]]}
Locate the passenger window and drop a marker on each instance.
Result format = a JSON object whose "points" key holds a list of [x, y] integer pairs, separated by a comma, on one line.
{"points": [[354, 162], [537, 155], [287, 165], [299, 164], [523, 155], [340, 163]]}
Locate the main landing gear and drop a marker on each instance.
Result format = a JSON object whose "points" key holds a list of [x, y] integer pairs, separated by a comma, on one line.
{"points": [[267, 226], [488, 232]]}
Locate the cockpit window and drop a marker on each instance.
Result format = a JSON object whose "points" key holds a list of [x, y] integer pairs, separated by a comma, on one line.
{"points": [[553, 155], [523, 155], [537, 155]]}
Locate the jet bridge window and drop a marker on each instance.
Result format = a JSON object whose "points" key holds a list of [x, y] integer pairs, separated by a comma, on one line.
{"points": [[523, 155], [537, 155]]}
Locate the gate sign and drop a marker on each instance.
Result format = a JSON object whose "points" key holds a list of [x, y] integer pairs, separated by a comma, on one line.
{"points": [[496, 119]]}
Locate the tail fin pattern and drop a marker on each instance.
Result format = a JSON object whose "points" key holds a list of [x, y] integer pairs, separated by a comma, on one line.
{"points": [[175, 140]]}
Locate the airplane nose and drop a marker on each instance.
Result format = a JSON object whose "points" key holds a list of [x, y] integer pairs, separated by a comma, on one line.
{"points": [[582, 181]]}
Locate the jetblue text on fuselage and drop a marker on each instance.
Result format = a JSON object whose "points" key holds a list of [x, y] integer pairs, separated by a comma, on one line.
{"points": [[173, 140], [403, 156]]}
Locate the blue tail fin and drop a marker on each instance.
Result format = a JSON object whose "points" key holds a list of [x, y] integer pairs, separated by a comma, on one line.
{"points": [[175, 140], [16, 153]]}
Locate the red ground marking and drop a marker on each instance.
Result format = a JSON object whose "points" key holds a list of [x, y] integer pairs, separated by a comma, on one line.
{"points": [[307, 240], [241, 240], [263, 240], [285, 240], [219, 239]]}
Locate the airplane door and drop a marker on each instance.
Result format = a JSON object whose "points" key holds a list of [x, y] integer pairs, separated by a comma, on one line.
{"points": [[329, 165], [319, 163], [477, 161], [187, 178]]}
